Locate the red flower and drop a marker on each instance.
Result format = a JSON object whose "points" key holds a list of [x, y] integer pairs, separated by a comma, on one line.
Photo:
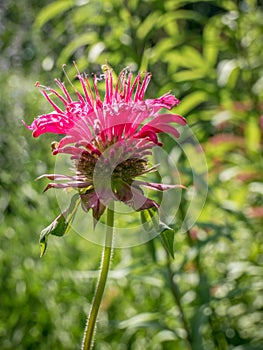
{"points": [[109, 140]]}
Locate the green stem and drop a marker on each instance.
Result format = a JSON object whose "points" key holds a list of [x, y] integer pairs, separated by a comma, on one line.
{"points": [[87, 342], [176, 294]]}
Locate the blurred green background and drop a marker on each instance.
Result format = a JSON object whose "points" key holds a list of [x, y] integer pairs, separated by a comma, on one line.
{"points": [[209, 54]]}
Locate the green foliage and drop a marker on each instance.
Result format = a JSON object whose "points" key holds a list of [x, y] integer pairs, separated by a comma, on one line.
{"points": [[209, 296], [61, 225], [166, 233], [52, 10]]}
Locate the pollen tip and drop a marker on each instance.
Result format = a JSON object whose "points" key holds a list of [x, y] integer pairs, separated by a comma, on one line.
{"points": [[54, 145], [37, 84], [27, 126]]}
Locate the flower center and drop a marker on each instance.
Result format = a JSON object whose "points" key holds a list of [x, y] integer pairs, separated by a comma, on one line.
{"points": [[129, 169], [126, 170]]}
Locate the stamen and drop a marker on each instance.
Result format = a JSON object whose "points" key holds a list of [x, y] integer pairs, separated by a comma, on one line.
{"points": [[66, 75]]}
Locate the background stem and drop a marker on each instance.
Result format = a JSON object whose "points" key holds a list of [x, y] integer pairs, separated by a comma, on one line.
{"points": [[87, 342], [177, 298]]}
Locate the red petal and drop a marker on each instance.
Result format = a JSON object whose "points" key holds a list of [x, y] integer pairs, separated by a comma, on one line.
{"points": [[167, 118]]}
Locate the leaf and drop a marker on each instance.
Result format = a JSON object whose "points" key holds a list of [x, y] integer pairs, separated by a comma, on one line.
{"points": [[150, 221], [180, 14], [252, 135], [211, 43], [79, 16], [139, 321], [189, 74], [162, 48], [51, 11], [149, 215], [146, 219], [167, 238], [191, 101], [151, 249], [61, 225], [148, 24], [191, 57], [197, 321], [79, 41], [225, 70]]}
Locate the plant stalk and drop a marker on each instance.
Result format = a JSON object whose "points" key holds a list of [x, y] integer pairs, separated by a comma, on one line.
{"points": [[88, 338], [177, 298]]}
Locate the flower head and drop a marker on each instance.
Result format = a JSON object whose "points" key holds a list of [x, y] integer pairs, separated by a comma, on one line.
{"points": [[108, 139]]}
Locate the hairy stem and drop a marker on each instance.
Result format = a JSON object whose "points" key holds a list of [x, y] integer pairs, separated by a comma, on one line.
{"points": [[87, 342]]}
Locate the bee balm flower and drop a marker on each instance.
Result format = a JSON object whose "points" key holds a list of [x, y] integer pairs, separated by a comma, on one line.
{"points": [[108, 139]]}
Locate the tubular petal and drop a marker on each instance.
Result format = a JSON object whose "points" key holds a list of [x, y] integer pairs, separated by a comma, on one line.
{"points": [[116, 132]]}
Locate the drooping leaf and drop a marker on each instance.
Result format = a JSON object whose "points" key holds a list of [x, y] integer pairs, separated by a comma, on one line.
{"points": [[80, 41], [52, 10], [61, 225], [148, 24]]}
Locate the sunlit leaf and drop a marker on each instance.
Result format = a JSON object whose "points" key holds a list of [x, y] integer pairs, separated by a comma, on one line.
{"points": [[225, 71], [252, 135], [191, 101], [52, 10], [192, 57], [186, 75], [79, 41], [210, 43], [140, 320], [148, 24]]}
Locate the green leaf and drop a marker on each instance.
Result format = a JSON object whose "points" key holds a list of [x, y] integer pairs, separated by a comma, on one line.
{"points": [[191, 101], [151, 249], [189, 74], [79, 41], [192, 58], [211, 43], [146, 219], [61, 225], [148, 25], [149, 215], [150, 221], [162, 48], [51, 11], [167, 238], [252, 135], [141, 320]]}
